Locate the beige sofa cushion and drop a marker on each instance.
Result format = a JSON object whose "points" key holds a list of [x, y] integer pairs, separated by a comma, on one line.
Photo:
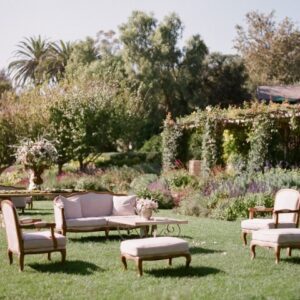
{"points": [[278, 236], [42, 240], [256, 224], [154, 246], [72, 207], [95, 205], [124, 205], [86, 222]]}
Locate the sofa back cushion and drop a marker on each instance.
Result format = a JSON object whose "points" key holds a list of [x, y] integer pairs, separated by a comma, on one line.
{"points": [[72, 207], [96, 205], [124, 205]]}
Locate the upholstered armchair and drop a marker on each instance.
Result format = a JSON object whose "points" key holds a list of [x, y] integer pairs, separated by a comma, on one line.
{"points": [[285, 214], [21, 243]]}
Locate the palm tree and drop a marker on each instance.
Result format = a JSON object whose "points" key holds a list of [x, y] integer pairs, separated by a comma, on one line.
{"points": [[58, 56], [30, 63]]}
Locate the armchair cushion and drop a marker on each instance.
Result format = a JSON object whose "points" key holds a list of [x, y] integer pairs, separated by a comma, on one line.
{"points": [[42, 240], [124, 205], [86, 222], [256, 224], [278, 236], [72, 207]]}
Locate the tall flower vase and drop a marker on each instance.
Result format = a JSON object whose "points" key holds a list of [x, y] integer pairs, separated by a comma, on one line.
{"points": [[35, 179], [146, 213]]}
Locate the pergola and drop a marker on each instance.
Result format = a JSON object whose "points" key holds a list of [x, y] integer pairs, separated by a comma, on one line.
{"points": [[256, 117]]}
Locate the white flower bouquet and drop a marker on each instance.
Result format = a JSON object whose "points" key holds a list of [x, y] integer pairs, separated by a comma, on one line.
{"points": [[145, 204], [40, 154]]}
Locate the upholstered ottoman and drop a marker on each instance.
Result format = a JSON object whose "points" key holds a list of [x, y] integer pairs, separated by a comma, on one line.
{"points": [[277, 239], [155, 248]]}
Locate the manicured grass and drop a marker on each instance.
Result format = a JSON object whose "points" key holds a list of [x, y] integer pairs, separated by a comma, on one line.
{"points": [[221, 268]]}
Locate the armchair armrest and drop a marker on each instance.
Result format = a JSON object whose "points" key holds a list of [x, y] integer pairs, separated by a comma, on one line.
{"points": [[285, 211], [253, 210], [40, 224], [28, 221]]}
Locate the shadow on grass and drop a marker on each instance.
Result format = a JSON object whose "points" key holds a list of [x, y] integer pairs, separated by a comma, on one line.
{"points": [[93, 239], [69, 267], [292, 260], [199, 250], [36, 213], [184, 272]]}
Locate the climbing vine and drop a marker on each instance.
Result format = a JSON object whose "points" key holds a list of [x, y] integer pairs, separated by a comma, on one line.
{"points": [[209, 146], [259, 138], [170, 137]]}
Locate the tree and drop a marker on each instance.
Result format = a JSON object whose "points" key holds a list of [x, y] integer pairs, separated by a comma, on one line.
{"points": [[29, 65], [151, 57], [271, 51], [191, 73], [83, 54], [224, 80], [57, 59], [5, 82]]}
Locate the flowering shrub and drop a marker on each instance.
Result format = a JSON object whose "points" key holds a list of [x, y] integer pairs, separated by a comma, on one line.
{"points": [[40, 154], [146, 204]]}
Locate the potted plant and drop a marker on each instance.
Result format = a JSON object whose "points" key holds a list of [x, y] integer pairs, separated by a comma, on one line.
{"points": [[36, 156], [145, 207]]}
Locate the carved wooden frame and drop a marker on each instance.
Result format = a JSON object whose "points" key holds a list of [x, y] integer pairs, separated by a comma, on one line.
{"points": [[35, 224], [139, 259], [253, 210]]}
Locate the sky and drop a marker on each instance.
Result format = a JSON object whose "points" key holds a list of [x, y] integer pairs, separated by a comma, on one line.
{"points": [[73, 20]]}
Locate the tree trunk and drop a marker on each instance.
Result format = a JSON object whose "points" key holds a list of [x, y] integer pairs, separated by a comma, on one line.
{"points": [[60, 168]]}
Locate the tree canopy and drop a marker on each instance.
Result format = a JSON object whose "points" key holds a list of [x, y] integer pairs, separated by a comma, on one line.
{"points": [[271, 50]]}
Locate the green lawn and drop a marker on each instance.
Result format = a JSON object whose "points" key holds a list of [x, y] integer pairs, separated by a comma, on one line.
{"points": [[221, 268]]}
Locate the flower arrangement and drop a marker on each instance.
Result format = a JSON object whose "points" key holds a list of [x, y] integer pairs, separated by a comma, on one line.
{"points": [[36, 156], [145, 207]]}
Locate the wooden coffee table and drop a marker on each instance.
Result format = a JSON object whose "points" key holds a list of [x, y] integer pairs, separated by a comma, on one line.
{"points": [[170, 226]]}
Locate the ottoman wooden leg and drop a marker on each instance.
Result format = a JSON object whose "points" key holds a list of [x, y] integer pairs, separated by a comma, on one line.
{"points": [[289, 251], [277, 254], [123, 258], [252, 249], [170, 261], [188, 260], [139, 264], [244, 238]]}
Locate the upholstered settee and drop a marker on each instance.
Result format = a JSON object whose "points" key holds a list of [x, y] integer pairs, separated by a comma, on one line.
{"points": [[19, 202], [91, 211]]}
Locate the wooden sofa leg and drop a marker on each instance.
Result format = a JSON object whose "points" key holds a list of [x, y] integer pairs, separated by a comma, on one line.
{"points": [[123, 258], [244, 238], [170, 261], [277, 254], [106, 233], [49, 255], [10, 256]]}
